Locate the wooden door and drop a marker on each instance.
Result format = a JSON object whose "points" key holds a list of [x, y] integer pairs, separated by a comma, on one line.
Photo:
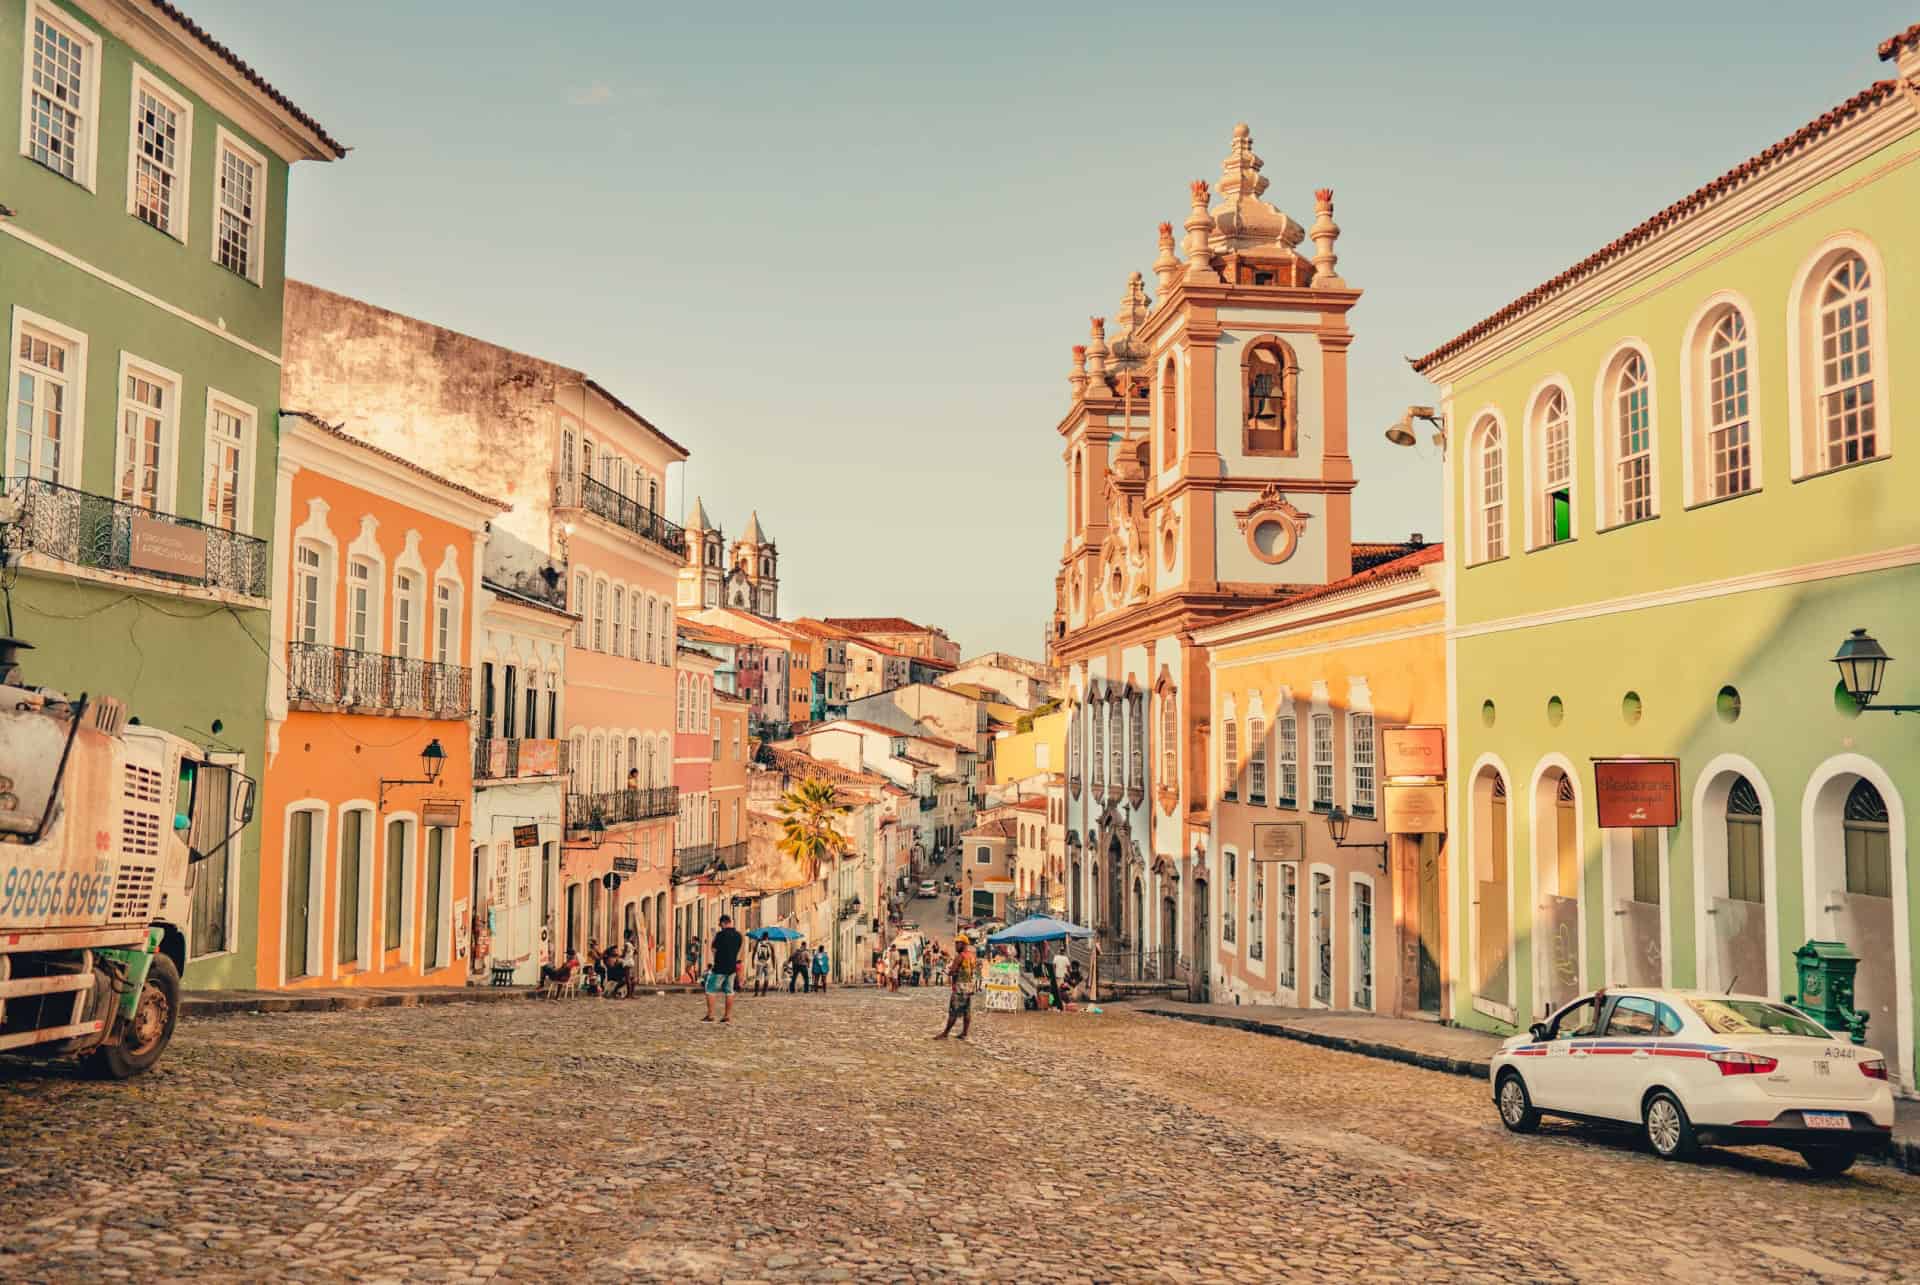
{"points": [[299, 893]]}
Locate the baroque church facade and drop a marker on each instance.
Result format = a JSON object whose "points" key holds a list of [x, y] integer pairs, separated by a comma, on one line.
{"points": [[744, 576], [1206, 474]]}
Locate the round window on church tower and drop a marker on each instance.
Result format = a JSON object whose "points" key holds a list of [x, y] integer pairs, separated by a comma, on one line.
{"points": [[1169, 548], [1273, 539]]}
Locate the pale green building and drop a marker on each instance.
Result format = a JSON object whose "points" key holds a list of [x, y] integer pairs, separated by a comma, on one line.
{"points": [[143, 198], [1677, 475]]}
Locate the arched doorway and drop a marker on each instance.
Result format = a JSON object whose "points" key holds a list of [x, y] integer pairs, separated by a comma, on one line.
{"points": [[1556, 858], [1491, 976], [1202, 945], [1855, 835], [1115, 909], [1073, 893], [1734, 870], [1139, 919]]}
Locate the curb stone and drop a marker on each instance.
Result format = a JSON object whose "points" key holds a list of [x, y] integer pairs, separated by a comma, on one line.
{"points": [[1902, 1153]]}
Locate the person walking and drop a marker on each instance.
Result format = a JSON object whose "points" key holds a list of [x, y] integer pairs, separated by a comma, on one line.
{"points": [[1058, 969], [724, 970], [965, 970], [820, 962], [762, 967]]}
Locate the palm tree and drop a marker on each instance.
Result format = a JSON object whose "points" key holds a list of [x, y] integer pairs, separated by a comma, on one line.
{"points": [[807, 814]]}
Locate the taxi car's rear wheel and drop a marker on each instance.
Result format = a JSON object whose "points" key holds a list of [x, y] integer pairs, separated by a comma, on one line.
{"points": [[1828, 1162], [1516, 1106], [1669, 1132]]}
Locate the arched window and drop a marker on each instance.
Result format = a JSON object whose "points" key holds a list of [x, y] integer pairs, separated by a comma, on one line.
{"points": [[1169, 739], [1553, 449], [1746, 872], [1728, 421], [1269, 388], [1169, 406], [1490, 491], [1846, 390], [1626, 419], [1869, 849], [1115, 745], [1099, 744]]}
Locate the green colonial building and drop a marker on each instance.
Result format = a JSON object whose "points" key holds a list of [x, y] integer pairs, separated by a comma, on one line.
{"points": [[1677, 476], [143, 198]]}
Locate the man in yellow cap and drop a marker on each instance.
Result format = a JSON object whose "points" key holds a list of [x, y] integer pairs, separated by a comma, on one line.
{"points": [[964, 974]]}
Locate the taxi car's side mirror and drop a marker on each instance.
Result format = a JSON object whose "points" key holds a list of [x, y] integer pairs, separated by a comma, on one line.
{"points": [[1538, 1030]]}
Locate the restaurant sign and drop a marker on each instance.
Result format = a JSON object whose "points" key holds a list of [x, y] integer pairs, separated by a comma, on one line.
{"points": [[526, 836], [1416, 809], [1637, 792], [1414, 751], [1279, 841], [440, 812], [168, 548]]}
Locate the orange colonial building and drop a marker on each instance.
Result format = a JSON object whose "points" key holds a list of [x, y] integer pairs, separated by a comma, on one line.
{"points": [[1312, 699], [369, 776]]}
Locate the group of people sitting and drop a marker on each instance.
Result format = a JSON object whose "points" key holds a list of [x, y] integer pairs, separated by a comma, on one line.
{"points": [[1057, 977], [610, 973]]}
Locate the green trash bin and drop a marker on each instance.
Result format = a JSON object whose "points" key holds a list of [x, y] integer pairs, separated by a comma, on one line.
{"points": [[1826, 970]]}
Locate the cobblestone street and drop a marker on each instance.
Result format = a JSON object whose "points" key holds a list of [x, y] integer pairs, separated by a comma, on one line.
{"points": [[827, 1138]]}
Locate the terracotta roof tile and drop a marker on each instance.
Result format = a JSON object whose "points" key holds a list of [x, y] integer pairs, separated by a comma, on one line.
{"points": [[1890, 47], [636, 415], [1424, 556], [251, 76], [880, 624], [1674, 214], [339, 431]]}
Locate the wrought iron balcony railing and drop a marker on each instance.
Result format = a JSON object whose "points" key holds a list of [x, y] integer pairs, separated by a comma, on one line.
{"points": [[501, 758], [321, 674], [615, 806], [603, 501], [690, 860], [94, 531]]}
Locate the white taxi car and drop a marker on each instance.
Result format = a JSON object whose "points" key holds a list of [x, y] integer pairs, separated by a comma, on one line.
{"points": [[1692, 1067]]}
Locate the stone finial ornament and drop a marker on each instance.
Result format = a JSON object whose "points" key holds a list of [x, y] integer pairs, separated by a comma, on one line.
{"points": [[1240, 172], [1097, 358], [1198, 225], [1078, 378], [1126, 349], [1244, 222], [1166, 264], [1325, 232]]}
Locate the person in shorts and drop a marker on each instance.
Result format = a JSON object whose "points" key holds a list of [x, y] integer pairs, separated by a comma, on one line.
{"points": [[965, 971], [724, 968], [762, 966]]}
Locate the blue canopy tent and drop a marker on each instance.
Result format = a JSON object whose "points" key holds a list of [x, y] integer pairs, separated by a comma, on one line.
{"points": [[1037, 929], [775, 933]]}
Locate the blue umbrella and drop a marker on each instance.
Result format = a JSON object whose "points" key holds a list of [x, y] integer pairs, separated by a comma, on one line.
{"points": [[775, 933], [1038, 928]]}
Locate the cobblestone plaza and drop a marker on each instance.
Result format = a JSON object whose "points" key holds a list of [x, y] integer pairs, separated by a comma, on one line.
{"points": [[826, 1138]]}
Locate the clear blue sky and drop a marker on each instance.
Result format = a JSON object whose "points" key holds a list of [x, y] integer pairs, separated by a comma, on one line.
{"points": [[840, 251]]}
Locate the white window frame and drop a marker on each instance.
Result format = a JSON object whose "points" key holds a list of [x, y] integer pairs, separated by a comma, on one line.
{"points": [[617, 633], [582, 590], [368, 581], [1316, 762], [634, 602], [1697, 397], [1357, 880], [224, 142], [1608, 495], [1536, 500], [73, 426], [221, 403], [319, 867], [1286, 729], [372, 836], [1372, 767], [1806, 422], [166, 490], [411, 647], [450, 653], [1489, 480], [180, 217], [86, 164]]}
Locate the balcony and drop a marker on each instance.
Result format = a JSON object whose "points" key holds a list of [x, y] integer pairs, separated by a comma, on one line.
{"points": [[501, 758], [603, 501], [613, 807], [90, 530], [691, 860], [319, 674]]}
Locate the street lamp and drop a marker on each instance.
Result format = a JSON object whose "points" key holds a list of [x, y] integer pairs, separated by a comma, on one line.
{"points": [[1337, 823], [1862, 662], [433, 761]]}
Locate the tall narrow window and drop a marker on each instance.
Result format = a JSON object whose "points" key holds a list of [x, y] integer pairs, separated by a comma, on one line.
{"points": [[1287, 730], [1099, 753], [445, 631], [600, 615], [1136, 743], [579, 606], [649, 653], [1846, 365], [1322, 762], [161, 146], [43, 380], [1115, 744], [1289, 914], [509, 700], [1230, 757], [406, 610], [146, 410], [1230, 913], [1493, 493], [633, 625], [306, 594], [619, 634], [396, 885], [486, 700], [1745, 867], [1729, 448], [1556, 472], [1867, 837], [352, 837], [1360, 737], [59, 132], [1269, 378], [1633, 437], [532, 706], [237, 225], [1169, 740], [226, 459], [1169, 419], [360, 606], [1256, 760]]}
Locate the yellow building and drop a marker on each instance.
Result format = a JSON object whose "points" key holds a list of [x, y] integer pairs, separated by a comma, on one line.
{"points": [[1310, 699], [1022, 754]]}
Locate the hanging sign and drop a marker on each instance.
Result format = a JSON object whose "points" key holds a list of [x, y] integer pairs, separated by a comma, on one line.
{"points": [[1630, 793], [440, 812], [1279, 841], [1416, 809], [626, 865], [1414, 751], [526, 836]]}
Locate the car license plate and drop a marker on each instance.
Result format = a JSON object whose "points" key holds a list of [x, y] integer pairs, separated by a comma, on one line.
{"points": [[1826, 1119]]}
